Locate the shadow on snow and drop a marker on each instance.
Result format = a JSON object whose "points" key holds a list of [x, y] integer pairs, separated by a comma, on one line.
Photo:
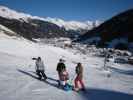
{"points": [[126, 72], [91, 93], [101, 94], [35, 77]]}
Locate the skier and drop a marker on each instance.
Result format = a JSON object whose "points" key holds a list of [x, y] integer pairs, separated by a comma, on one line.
{"points": [[79, 78], [40, 70], [62, 73]]}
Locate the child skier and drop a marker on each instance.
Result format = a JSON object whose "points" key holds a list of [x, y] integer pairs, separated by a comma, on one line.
{"points": [[79, 77], [40, 68], [64, 81]]}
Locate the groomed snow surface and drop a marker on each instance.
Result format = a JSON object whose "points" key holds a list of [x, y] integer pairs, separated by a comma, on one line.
{"points": [[18, 79]]}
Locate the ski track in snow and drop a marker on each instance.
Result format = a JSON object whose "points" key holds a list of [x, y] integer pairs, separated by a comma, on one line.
{"points": [[18, 80]]}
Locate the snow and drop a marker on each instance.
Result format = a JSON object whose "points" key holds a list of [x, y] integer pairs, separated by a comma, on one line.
{"points": [[68, 25], [18, 79], [5, 29], [73, 25], [12, 14]]}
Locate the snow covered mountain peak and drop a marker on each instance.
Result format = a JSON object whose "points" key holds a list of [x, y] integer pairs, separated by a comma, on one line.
{"points": [[68, 25], [12, 14], [73, 25]]}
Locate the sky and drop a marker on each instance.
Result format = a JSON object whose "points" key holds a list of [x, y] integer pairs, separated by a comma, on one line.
{"points": [[80, 10]]}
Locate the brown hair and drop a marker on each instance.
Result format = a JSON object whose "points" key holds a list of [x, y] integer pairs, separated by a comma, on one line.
{"points": [[79, 64]]}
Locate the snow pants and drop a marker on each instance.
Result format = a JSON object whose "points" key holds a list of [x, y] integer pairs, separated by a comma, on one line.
{"points": [[41, 74], [79, 80]]}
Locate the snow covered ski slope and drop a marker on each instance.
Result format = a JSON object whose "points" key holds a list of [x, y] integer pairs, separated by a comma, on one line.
{"points": [[18, 80]]}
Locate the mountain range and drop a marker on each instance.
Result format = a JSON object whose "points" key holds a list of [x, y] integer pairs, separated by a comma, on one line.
{"points": [[30, 26]]}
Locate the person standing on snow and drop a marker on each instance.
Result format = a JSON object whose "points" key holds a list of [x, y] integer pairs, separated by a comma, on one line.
{"points": [[79, 77], [61, 69], [40, 70]]}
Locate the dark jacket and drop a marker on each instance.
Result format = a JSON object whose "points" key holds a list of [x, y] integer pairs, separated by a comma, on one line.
{"points": [[60, 67], [79, 71]]}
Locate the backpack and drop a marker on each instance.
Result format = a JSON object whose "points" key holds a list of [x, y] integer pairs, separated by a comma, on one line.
{"points": [[77, 69]]}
